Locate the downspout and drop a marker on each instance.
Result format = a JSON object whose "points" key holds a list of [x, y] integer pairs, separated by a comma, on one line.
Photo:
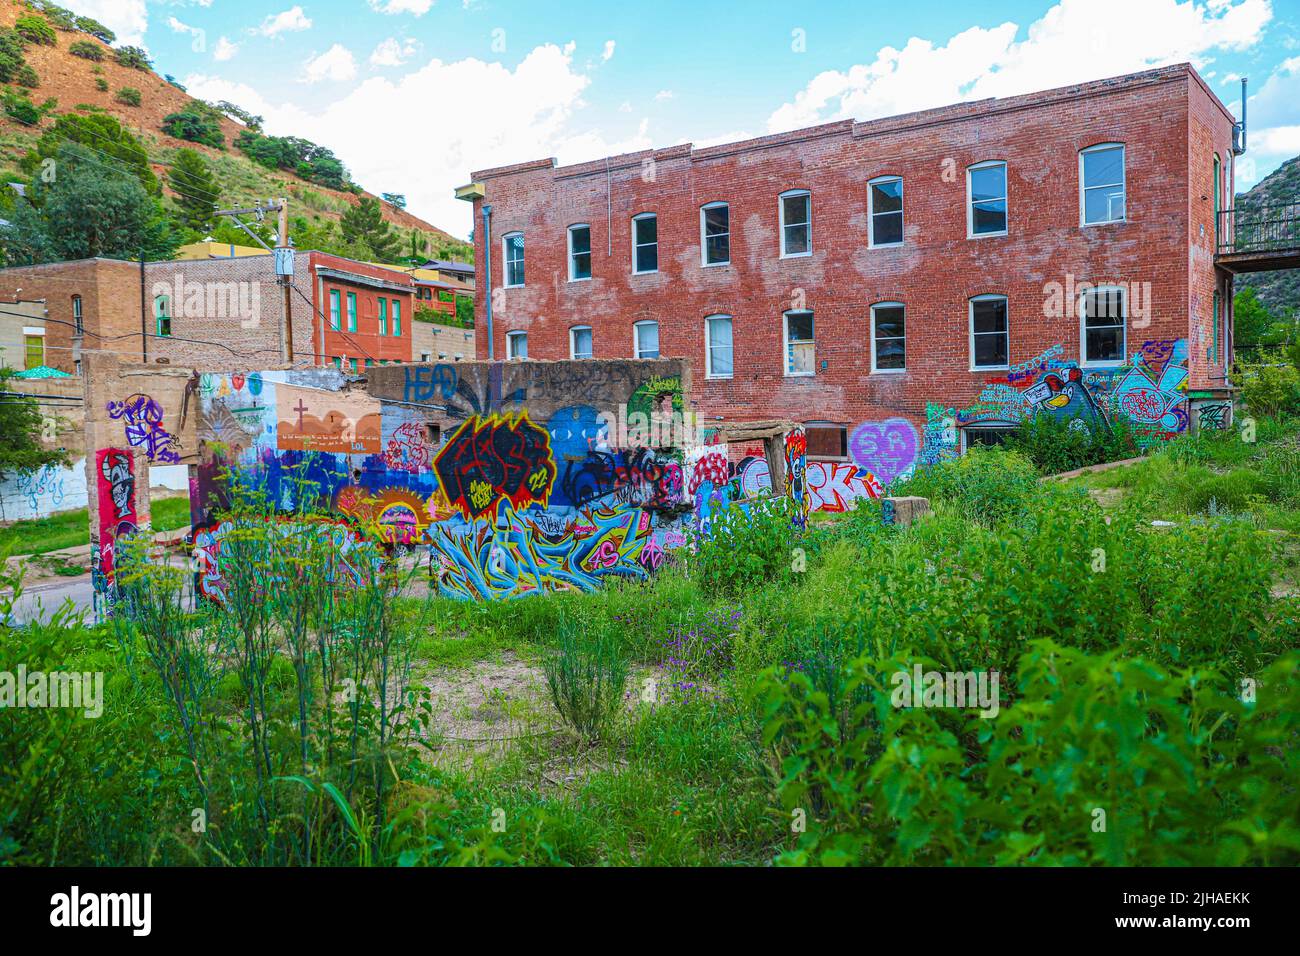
{"points": [[487, 278]]}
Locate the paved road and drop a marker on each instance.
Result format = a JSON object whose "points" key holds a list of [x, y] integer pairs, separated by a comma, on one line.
{"points": [[47, 598]]}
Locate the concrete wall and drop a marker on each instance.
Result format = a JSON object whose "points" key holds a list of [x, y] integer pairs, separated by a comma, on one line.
{"points": [[441, 343], [15, 319]]}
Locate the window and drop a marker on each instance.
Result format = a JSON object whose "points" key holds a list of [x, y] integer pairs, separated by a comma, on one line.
{"points": [[162, 314], [514, 259], [1101, 184], [370, 363], [78, 327], [885, 211], [989, 345], [352, 311], [579, 253], [646, 339], [827, 440], [796, 223], [985, 435], [986, 191], [888, 338], [338, 362], [397, 317], [580, 342], [1101, 313], [717, 346], [354, 366], [645, 243], [715, 233], [335, 310], [517, 345], [799, 353], [425, 356], [383, 316], [34, 351]]}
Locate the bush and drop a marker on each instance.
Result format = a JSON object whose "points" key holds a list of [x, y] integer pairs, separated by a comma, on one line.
{"points": [[87, 50], [744, 545], [195, 127], [18, 106], [133, 57], [128, 95], [987, 484], [11, 54], [35, 29], [101, 84], [26, 76], [585, 673], [1271, 389], [1054, 445], [96, 29]]}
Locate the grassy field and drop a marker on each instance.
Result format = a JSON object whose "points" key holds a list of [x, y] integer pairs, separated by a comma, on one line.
{"points": [[738, 709], [68, 529]]}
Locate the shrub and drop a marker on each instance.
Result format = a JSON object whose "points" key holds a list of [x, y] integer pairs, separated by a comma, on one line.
{"points": [[585, 673], [745, 544], [128, 95], [18, 106], [11, 54], [35, 29], [26, 76], [987, 484], [1055, 445], [96, 29], [194, 126], [101, 84], [133, 57], [87, 50], [1271, 389]]}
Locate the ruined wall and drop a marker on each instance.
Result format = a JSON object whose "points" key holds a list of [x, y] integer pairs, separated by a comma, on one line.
{"points": [[522, 477]]}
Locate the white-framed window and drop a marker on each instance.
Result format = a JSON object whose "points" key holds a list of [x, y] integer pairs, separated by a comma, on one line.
{"points": [[717, 346], [990, 340], [715, 234], [512, 254], [795, 211], [1101, 184], [986, 199], [800, 351], [888, 337], [645, 339], [580, 342], [78, 322], [645, 243], [885, 211], [517, 345], [1102, 326], [579, 252]]}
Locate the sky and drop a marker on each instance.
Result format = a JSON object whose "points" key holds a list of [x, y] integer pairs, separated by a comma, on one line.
{"points": [[413, 95]]}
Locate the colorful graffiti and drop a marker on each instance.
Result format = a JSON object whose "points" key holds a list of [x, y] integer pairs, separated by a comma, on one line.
{"points": [[887, 449], [142, 421], [501, 457], [796, 475], [115, 483], [517, 558]]}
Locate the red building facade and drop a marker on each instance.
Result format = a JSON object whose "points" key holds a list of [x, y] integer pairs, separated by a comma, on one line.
{"points": [[363, 313], [904, 286]]}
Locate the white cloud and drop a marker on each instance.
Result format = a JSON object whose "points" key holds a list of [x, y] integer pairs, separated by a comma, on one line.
{"points": [[224, 50], [625, 106], [529, 112], [608, 51], [1273, 133], [393, 7], [127, 18], [392, 52], [336, 63], [663, 95], [292, 20], [1074, 41]]}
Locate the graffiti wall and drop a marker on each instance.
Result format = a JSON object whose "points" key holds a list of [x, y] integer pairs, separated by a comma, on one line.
{"points": [[516, 477], [118, 518], [42, 492]]}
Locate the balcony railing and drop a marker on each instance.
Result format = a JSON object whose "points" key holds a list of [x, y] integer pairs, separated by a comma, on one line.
{"points": [[1272, 227]]}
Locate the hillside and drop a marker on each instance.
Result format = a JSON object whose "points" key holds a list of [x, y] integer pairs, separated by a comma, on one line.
{"points": [[84, 85], [1278, 291]]}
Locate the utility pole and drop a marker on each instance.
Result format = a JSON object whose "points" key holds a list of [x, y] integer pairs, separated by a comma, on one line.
{"points": [[283, 253]]}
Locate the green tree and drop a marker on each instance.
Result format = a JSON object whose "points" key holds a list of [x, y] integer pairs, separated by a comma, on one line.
{"points": [[194, 126], [109, 141], [364, 225], [87, 50], [133, 57], [21, 424], [12, 55], [196, 190], [35, 29], [1253, 325], [96, 29]]}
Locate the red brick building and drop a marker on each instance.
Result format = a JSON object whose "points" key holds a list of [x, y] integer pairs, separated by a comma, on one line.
{"points": [[903, 285], [364, 312]]}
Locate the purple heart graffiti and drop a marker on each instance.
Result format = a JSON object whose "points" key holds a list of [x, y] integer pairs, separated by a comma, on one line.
{"points": [[887, 448]]}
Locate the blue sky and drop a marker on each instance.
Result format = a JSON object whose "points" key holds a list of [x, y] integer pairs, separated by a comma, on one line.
{"points": [[414, 94]]}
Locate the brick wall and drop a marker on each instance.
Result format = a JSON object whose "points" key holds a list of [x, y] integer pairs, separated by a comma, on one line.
{"points": [[366, 342], [441, 343], [935, 272]]}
